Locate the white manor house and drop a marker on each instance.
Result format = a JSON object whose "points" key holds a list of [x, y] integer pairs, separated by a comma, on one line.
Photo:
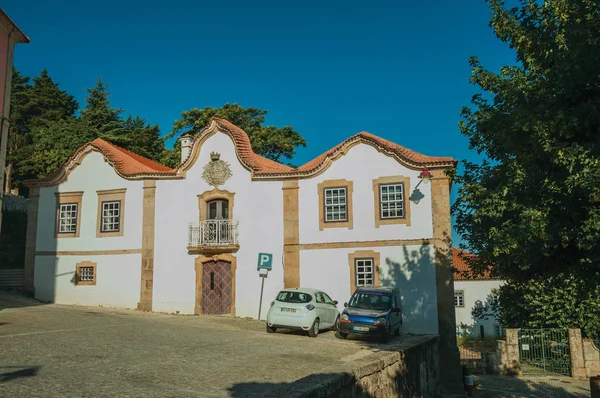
{"points": [[113, 228]]}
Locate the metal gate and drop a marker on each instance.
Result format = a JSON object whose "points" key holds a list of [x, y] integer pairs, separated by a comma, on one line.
{"points": [[544, 351]]}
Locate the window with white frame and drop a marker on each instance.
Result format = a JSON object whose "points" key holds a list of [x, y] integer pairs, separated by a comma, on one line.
{"points": [[336, 204], [67, 218], [111, 216], [459, 298], [391, 200], [364, 272]]}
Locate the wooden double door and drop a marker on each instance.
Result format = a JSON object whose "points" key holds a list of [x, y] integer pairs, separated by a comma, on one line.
{"points": [[217, 288]]}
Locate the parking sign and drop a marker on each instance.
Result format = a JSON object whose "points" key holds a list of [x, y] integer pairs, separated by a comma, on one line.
{"points": [[265, 260]]}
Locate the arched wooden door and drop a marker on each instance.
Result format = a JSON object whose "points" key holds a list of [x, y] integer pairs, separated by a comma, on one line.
{"points": [[217, 288]]}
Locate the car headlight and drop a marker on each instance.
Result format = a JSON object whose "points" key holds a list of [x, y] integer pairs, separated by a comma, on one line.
{"points": [[380, 321], [344, 318]]}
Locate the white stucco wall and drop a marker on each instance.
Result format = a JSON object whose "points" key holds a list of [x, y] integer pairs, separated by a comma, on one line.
{"points": [[363, 164], [409, 268], [258, 206], [117, 280], [473, 291], [92, 175], [118, 276]]}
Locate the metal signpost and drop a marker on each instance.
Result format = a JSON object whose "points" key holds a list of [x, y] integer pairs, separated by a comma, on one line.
{"points": [[265, 263]]}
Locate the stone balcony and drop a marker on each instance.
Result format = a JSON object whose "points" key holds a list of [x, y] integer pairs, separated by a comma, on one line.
{"points": [[211, 237]]}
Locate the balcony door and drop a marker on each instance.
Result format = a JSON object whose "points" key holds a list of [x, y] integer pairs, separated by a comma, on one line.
{"points": [[217, 226]]}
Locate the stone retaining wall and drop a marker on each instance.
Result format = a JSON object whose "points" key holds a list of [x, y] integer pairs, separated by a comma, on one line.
{"points": [[408, 372]]}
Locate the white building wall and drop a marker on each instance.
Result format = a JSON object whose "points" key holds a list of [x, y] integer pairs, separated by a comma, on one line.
{"points": [[473, 291], [118, 275], [92, 175], [363, 164], [409, 268], [258, 206], [117, 280]]}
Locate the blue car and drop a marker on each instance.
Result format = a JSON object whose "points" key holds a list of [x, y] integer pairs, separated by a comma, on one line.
{"points": [[372, 311]]}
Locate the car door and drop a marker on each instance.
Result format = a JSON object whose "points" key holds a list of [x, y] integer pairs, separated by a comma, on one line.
{"points": [[323, 310], [332, 308]]}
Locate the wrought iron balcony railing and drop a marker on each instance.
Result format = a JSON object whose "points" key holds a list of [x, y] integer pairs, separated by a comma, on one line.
{"points": [[213, 233]]}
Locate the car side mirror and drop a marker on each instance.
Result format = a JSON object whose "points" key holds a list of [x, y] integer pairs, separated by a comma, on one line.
{"points": [[335, 302], [345, 304], [396, 309]]}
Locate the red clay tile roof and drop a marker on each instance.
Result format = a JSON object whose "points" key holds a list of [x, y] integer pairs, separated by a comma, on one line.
{"points": [[259, 164], [462, 270], [129, 164], [126, 163], [402, 152]]}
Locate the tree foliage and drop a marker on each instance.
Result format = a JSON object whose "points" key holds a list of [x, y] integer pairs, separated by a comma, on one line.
{"points": [[531, 209], [45, 131], [276, 143]]}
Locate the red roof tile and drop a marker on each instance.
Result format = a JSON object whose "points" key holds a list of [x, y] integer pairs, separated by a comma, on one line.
{"points": [[462, 270], [404, 153]]}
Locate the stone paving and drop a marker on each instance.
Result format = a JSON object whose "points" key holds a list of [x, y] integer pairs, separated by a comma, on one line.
{"points": [[542, 387], [71, 351]]}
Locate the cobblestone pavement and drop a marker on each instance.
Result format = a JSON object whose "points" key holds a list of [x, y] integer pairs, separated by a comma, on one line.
{"points": [[543, 387], [71, 351]]}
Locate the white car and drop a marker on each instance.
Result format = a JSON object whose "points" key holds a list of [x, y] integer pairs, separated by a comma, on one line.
{"points": [[305, 309]]}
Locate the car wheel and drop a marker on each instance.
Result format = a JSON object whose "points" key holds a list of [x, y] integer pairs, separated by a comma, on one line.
{"points": [[341, 335], [336, 325], [314, 329], [270, 329]]}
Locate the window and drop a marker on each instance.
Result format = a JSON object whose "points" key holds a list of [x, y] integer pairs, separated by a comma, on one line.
{"points": [[364, 268], [328, 299], [391, 200], [111, 209], [67, 218], [459, 298], [335, 204], [364, 272], [498, 330], [85, 273], [68, 214], [111, 219], [294, 297]]}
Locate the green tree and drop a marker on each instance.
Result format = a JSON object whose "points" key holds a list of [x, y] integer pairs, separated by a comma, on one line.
{"points": [[33, 108], [531, 209], [276, 143]]}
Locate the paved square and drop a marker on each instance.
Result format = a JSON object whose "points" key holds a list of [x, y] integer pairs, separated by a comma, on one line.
{"points": [[70, 351]]}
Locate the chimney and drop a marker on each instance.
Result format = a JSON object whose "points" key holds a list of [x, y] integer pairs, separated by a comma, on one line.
{"points": [[186, 146]]}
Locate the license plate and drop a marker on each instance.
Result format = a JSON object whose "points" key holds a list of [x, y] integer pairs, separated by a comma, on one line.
{"points": [[288, 310], [360, 328]]}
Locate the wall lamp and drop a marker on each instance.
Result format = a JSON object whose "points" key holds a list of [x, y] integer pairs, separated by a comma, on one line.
{"points": [[425, 176]]}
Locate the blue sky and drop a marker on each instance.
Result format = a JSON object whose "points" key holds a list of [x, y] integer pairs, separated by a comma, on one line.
{"points": [[329, 68]]}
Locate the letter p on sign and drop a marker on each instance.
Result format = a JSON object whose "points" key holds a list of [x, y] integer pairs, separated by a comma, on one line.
{"points": [[265, 260]]}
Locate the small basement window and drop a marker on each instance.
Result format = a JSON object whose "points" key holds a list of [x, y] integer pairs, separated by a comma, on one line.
{"points": [[85, 273]]}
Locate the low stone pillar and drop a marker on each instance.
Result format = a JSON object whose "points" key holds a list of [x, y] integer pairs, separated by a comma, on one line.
{"points": [[512, 349], [576, 348], [595, 386]]}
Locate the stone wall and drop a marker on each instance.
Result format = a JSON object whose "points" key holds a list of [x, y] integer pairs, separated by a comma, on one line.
{"points": [[591, 357], [407, 372]]}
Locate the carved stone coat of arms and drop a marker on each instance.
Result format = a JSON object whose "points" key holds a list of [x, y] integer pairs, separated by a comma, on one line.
{"points": [[217, 171]]}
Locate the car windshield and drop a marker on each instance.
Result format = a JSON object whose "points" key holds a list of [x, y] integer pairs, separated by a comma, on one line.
{"points": [[294, 297], [369, 301]]}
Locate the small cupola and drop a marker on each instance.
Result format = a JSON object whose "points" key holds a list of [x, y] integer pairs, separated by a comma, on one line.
{"points": [[186, 146]]}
